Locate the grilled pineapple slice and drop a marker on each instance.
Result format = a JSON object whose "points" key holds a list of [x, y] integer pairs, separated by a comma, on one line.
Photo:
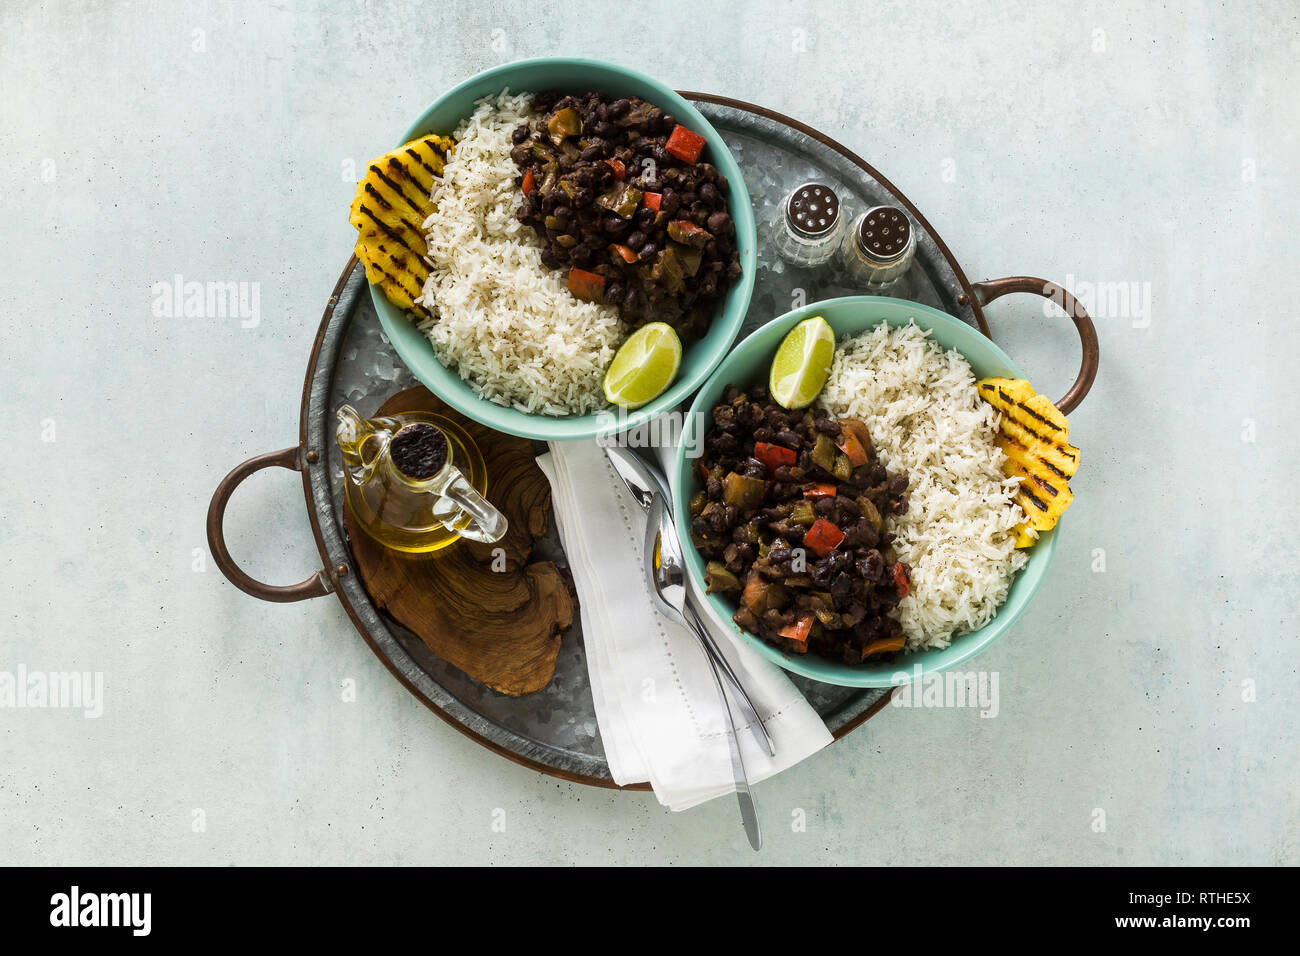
{"points": [[1035, 437], [389, 209], [1025, 537]]}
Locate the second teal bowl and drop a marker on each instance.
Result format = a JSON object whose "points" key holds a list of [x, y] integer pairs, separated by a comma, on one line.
{"points": [[700, 357], [748, 365]]}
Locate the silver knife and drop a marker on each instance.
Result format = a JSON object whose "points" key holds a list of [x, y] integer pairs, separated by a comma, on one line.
{"points": [[667, 577]]}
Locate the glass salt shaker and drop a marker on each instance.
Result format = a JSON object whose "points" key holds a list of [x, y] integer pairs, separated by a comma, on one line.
{"points": [[808, 226], [879, 247]]}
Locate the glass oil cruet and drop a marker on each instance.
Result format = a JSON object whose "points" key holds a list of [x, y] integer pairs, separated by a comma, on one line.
{"points": [[405, 484]]}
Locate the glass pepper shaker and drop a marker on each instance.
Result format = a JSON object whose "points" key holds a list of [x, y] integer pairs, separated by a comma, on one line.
{"points": [[808, 226], [879, 248]]}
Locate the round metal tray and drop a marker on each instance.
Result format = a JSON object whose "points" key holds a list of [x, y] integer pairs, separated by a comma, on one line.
{"points": [[554, 731]]}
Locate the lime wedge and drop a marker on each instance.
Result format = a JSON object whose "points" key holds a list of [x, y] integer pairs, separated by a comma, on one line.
{"points": [[644, 365], [802, 363]]}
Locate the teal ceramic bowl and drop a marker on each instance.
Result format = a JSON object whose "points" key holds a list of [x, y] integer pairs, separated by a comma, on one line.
{"points": [[747, 365], [700, 358]]}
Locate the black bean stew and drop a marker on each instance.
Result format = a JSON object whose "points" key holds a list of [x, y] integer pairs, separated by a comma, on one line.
{"points": [[619, 194], [791, 522]]}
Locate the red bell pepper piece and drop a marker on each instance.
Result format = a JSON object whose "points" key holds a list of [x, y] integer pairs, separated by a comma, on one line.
{"points": [[900, 580], [620, 169], [883, 644], [774, 456], [588, 286], [529, 181], [853, 448], [799, 629], [684, 144], [652, 200], [826, 490], [689, 229], [858, 430], [626, 253], [823, 537]]}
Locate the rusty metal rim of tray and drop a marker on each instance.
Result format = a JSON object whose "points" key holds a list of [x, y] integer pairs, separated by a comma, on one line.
{"points": [[299, 457]]}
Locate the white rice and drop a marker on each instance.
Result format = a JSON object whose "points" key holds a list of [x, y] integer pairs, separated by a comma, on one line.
{"points": [[925, 417], [507, 324]]}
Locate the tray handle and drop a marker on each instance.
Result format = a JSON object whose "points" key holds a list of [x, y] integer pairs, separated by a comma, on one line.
{"points": [[315, 586], [987, 292]]}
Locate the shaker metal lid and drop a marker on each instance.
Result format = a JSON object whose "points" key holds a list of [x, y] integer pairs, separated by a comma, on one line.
{"points": [[812, 210], [883, 233]]}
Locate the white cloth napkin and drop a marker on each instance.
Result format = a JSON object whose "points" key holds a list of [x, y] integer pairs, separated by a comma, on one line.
{"points": [[659, 712]]}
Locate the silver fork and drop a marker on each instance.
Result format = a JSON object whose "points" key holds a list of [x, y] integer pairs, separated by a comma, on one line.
{"points": [[644, 481]]}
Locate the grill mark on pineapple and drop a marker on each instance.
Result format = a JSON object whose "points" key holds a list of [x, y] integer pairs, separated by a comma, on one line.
{"points": [[420, 159], [1046, 421], [376, 257], [392, 279], [1012, 418], [1052, 468], [1065, 449], [398, 181], [396, 281], [442, 145], [1028, 453], [1032, 458], [390, 232], [1038, 502], [401, 275], [1028, 474], [411, 226], [400, 173], [377, 196], [1007, 411], [1011, 403], [394, 234], [1045, 485], [404, 262], [394, 186]]}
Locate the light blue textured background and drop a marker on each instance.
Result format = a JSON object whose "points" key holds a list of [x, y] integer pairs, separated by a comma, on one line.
{"points": [[1101, 142]]}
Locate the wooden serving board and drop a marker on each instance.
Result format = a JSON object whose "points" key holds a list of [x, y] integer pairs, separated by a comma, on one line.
{"points": [[501, 627]]}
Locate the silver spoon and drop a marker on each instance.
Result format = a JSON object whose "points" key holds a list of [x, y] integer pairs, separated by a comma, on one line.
{"points": [[667, 574]]}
